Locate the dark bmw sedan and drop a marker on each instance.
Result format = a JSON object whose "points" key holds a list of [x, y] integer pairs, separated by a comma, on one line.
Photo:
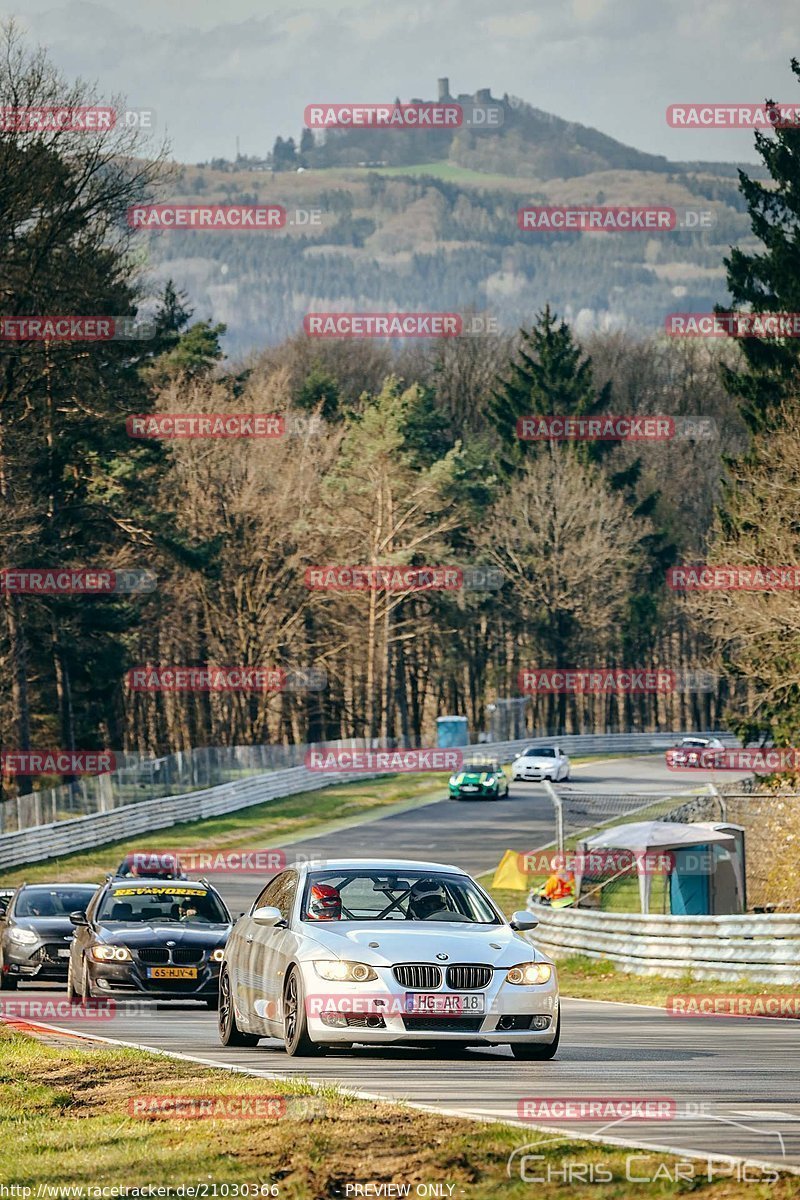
{"points": [[149, 937], [36, 931]]}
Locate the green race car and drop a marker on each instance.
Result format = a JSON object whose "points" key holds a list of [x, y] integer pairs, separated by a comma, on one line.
{"points": [[479, 781]]}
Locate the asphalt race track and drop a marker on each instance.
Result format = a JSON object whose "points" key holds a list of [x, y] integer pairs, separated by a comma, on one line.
{"points": [[736, 1082]]}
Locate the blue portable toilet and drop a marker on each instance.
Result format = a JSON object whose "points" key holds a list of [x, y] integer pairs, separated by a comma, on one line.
{"points": [[452, 731], [710, 879]]}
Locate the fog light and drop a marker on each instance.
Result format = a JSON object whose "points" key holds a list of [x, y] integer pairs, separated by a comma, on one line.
{"points": [[103, 984], [337, 1020], [541, 1022]]}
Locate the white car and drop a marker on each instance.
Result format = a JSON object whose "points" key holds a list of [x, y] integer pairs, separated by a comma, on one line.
{"points": [[385, 951], [541, 762], [696, 752]]}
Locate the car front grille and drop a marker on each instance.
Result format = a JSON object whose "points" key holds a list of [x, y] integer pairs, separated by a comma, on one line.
{"points": [[161, 955], [467, 977], [417, 1024], [187, 954], [48, 953], [418, 975], [155, 955]]}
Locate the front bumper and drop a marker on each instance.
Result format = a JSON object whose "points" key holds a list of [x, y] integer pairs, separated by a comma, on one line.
{"points": [[352, 1013], [130, 978], [536, 774], [474, 792], [42, 962]]}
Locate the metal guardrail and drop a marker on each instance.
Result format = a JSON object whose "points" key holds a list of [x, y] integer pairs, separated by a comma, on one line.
{"points": [[56, 838], [763, 947], [141, 778]]}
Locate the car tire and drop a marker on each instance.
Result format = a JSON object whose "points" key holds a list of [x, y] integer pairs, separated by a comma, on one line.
{"points": [[229, 1032], [295, 1022], [537, 1051], [566, 777], [8, 983], [72, 994]]}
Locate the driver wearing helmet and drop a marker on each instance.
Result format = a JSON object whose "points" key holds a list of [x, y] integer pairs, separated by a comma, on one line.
{"points": [[426, 899], [324, 903]]}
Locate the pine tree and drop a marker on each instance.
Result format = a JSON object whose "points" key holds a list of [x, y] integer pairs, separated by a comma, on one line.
{"points": [[768, 279], [551, 376]]}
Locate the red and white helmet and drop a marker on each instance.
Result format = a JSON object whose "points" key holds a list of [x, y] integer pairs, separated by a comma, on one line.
{"points": [[324, 903]]}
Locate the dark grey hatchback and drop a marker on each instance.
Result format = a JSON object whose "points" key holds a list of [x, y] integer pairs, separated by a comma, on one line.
{"points": [[36, 931]]}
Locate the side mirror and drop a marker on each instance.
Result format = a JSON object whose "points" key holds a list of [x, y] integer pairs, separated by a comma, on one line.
{"points": [[78, 918], [269, 916], [523, 920]]}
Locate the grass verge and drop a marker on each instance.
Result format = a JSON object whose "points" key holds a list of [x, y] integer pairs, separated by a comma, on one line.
{"points": [[307, 814], [261, 825], [66, 1120]]}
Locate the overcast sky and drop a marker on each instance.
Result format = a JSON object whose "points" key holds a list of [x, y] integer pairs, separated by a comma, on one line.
{"points": [[214, 70]]}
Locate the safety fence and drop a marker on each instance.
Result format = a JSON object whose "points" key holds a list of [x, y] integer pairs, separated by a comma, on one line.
{"points": [[141, 778], [762, 947], [41, 839]]}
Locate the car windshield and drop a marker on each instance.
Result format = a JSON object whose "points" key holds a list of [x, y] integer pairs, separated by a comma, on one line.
{"points": [[379, 895], [694, 743], [52, 901], [476, 767], [541, 752], [161, 904]]}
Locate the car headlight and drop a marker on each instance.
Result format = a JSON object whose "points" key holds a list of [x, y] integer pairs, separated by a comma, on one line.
{"points": [[110, 953], [533, 972], [490, 781], [338, 970], [24, 937], [217, 955], [453, 781]]}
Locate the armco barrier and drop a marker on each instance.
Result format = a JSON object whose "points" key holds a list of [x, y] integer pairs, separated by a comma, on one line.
{"points": [[83, 833], [763, 947]]}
